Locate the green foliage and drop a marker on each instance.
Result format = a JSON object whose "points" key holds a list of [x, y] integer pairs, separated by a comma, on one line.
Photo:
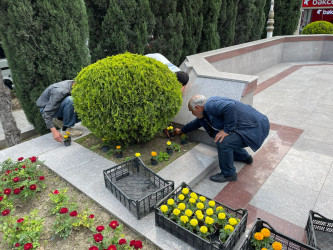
{"points": [[176, 147], [22, 231], [45, 42], [259, 18], [226, 22], [126, 98], [59, 199], [163, 156], [209, 37], [319, 27], [286, 16]]}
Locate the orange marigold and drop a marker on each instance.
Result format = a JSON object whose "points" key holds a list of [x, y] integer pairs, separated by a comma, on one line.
{"points": [[277, 245], [153, 153], [265, 232], [258, 236]]}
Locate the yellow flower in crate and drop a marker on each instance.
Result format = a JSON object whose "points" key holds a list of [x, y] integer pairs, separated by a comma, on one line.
{"points": [[264, 248], [118, 147], [185, 190], [233, 221], [137, 154], [153, 153], [202, 198], [188, 212], [219, 208], [277, 245], [181, 206], [221, 216], [181, 197], [200, 205], [170, 202], [258, 236], [176, 211], [184, 218], [229, 227], [68, 133], [192, 200], [209, 220], [211, 203], [198, 212], [200, 216], [209, 211], [164, 208], [194, 195], [194, 222], [203, 229], [265, 232]]}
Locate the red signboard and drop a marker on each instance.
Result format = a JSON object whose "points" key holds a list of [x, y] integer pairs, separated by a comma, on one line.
{"points": [[317, 3], [322, 15]]}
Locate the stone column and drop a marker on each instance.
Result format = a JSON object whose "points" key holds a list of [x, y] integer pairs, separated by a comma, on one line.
{"points": [[270, 21]]}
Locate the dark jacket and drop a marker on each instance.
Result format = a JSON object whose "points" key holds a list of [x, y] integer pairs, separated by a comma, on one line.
{"points": [[232, 116], [51, 99]]}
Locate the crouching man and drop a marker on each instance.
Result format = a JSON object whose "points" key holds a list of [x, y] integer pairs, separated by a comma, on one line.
{"points": [[233, 125], [56, 106]]}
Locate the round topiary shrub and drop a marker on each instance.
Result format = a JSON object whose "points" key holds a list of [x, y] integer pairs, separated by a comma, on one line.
{"points": [[126, 98], [319, 27]]}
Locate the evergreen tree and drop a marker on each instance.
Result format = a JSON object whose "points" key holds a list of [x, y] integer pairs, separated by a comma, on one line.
{"points": [[193, 22], [226, 22], [244, 21], [168, 32], [259, 19], [286, 16], [209, 37], [45, 42]]}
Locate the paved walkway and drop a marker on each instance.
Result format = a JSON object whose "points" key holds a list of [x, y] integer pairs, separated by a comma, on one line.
{"points": [[291, 174]]}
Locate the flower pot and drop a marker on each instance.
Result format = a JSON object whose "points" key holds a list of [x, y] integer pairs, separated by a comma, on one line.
{"points": [[153, 162], [169, 151], [67, 143], [105, 148], [119, 155]]}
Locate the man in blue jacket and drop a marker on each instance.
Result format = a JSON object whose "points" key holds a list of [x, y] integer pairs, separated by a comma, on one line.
{"points": [[233, 125]]}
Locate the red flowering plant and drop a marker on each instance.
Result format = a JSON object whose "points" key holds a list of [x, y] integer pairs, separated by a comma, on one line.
{"points": [[111, 238], [22, 232], [21, 179]]}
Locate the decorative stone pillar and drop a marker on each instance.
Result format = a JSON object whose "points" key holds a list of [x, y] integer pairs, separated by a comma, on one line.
{"points": [[270, 21]]}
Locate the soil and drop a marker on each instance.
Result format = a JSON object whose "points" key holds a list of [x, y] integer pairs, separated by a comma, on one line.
{"points": [[16, 105], [157, 144], [78, 238]]}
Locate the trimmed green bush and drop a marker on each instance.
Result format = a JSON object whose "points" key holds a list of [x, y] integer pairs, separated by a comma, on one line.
{"points": [[126, 98], [319, 27]]}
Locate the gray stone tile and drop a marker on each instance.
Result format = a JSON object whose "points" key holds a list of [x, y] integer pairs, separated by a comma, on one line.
{"points": [[286, 200], [324, 204], [314, 148], [298, 168], [328, 185], [321, 134]]}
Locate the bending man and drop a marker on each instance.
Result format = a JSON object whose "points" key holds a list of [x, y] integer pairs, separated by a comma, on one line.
{"points": [[233, 125]]}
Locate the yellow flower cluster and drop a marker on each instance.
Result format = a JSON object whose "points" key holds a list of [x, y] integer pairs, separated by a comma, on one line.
{"points": [[176, 211], [219, 208], [200, 205], [194, 195], [277, 245], [258, 236], [203, 229], [209, 220], [209, 211], [170, 128], [118, 147], [153, 154], [229, 227], [185, 191], [211, 203], [181, 206], [184, 218], [168, 143], [164, 208], [181, 197], [192, 200], [265, 232], [65, 136], [137, 154], [188, 212], [202, 198], [170, 202], [233, 221], [221, 216], [262, 235], [194, 222]]}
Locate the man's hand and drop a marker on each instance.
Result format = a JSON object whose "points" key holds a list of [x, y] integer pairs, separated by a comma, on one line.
{"points": [[220, 136], [177, 131], [56, 135]]}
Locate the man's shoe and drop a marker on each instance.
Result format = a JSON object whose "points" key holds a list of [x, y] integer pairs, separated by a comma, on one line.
{"points": [[220, 178], [249, 160], [166, 132], [73, 132], [58, 123]]}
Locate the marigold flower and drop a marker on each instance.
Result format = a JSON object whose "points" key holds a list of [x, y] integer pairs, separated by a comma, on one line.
{"points": [[264, 248], [70, 133], [219, 208], [98, 237], [211, 203], [122, 241], [114, 224], [198, 212], [192, 200], [277, 245], [185, 191], [118, 147], [233, 221], [65, 136], [168, 143], [153, 153], [194, 195], [170, 202], [203, 229], [200, 216], [100, 228], [20, 220], [258, 236], [184, 218], [202, 198], [164, 208], [265, 232], [221, 216], [188, 212], [181, 197], [170, 128], [181, 206], [209, 211], [229, 227], [209, 220], [200, 206], [194, 222], [137, 154], [176, 211]]}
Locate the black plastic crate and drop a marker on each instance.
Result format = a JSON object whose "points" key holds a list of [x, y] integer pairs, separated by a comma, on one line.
{"points": [[319, 231], [194, 240], [287, 242], [137, 187]]}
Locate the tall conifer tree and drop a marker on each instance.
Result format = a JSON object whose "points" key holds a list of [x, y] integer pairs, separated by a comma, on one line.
{"points": [[259, 19], [227, 21], [286, 16], [45, 42], [244, 21]]}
